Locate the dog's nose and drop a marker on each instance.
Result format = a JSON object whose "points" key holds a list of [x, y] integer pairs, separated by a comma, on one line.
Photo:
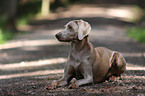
{"points": [[57, 35]]}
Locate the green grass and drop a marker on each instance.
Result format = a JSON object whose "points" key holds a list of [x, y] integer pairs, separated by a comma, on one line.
{"points": [[137, 34], [22, 21], [5, 36]]}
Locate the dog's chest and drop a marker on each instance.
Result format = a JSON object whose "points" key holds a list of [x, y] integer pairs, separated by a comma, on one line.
{"points": [[76, 59]]}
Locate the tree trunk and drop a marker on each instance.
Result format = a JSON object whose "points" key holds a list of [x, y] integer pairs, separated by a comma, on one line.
{"points": [[45, 8], [10, 11]]}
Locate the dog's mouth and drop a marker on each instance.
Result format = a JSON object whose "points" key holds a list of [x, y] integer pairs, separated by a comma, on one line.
{"points": [[61, 39]]}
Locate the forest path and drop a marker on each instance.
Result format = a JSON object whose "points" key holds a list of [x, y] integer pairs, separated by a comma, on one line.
{"points": [[35, 58]]}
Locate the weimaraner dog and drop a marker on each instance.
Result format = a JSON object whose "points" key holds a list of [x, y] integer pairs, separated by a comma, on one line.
{"points": [[86, 63]]}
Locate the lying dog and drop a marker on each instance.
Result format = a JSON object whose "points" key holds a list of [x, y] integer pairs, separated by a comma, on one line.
{"points": [[86, 63]]}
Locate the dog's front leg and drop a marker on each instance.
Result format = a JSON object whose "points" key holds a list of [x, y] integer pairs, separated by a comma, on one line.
{"points": [[88, 77], [68, 75], [61, 82]]}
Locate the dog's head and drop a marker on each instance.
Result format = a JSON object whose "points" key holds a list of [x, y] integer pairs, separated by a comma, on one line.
{"points": [[74, 30]]}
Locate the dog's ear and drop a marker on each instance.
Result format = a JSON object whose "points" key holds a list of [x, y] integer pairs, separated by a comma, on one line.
{"points": [[84, 29]]}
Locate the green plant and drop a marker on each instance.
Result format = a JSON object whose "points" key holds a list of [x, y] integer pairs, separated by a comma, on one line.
{"points": [[22, 21], [3, 21], [5, 36], [4, 33], [137, 34]]}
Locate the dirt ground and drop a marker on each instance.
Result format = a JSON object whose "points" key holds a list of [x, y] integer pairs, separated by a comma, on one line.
{"points": [[35, 58]]}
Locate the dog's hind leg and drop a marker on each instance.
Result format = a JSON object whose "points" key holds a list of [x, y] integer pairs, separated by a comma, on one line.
{"points": [[118, 66]]}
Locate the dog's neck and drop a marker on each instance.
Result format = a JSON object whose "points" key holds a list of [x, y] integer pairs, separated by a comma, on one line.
{"points": [[79, 45]]}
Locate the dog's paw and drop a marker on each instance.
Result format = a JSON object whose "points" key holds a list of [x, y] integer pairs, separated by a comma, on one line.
{"points": [[113, 78], [51, 86], [73, 86]]}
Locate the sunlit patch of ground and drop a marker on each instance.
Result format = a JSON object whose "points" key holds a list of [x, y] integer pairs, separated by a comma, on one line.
{"points": [[123, 12], [36, 73], [25, 65], [27, 41]]}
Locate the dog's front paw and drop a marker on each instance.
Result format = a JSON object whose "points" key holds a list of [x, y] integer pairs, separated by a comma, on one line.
{"points": [[51, 86], [113, 78], [74, 85]]}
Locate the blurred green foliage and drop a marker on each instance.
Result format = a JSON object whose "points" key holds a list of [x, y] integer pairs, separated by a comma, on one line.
{"points": [[137, 33], [3, 21], [5, 36]]}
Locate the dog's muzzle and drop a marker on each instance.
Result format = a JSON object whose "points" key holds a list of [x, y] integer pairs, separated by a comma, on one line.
{"points": [[65, 38], [57, 36], [60, 37]]}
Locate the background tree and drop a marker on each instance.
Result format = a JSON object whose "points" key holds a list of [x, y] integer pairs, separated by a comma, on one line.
{"points": [[45, 7], [9, 11]]}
